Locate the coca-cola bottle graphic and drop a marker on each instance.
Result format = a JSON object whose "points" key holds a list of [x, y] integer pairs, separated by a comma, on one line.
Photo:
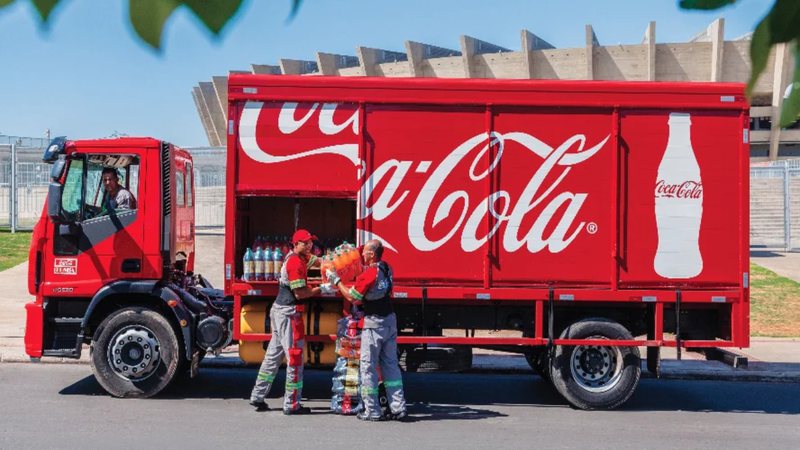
{"points": [[679, 204]]}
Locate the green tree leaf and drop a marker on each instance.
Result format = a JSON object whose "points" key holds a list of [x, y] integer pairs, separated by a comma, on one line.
{"points": [[705, 4], [214, 13], [760, 44], [148, 18], [791, 106], [4, 3], [784, 20], [45, 7], [295, 8]]}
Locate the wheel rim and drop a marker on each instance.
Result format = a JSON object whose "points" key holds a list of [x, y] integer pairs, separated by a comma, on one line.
{"points": [[596, 368], [134, 352]]}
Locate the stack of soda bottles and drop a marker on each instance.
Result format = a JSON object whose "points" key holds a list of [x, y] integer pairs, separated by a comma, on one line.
{"points": [[264, 259], [345, 259], [346, 397]]}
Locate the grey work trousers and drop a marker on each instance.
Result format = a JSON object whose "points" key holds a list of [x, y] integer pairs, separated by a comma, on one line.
{"points": [[287, 340], [379, 350]]}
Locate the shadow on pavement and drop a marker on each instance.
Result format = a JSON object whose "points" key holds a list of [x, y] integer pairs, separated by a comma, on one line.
{"points": [[765, 254], [454, 396]]}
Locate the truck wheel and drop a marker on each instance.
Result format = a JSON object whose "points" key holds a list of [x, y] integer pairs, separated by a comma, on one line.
{"points": [[135, 353], [596, 377]]}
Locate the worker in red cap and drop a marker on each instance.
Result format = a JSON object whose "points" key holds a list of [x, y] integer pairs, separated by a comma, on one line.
{"points": [[286, 317]]}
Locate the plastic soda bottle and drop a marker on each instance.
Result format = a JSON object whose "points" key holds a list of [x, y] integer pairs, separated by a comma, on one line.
{"points": [[259, 264], [248, 265], [268, 265], [277, 263]]}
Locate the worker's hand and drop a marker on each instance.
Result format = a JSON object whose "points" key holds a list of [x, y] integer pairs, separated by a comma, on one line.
{"points": [[327, 290], [333, 279]]}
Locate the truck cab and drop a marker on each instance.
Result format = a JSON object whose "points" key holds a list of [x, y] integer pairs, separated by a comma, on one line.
{"points": [[93, 258]]}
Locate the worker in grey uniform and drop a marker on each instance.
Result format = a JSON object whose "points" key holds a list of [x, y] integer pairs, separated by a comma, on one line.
{"points": [[286, 318], [373, 289]]}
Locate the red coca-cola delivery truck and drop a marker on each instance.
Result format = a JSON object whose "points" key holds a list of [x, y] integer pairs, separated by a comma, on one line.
{"points": [[573, 222]]}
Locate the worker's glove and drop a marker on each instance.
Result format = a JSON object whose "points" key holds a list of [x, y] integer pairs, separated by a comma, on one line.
{"points": [[327, 290], [332, 277]]}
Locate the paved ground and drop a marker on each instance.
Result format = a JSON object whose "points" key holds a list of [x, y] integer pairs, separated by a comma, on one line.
{"points": [[783, 263], [48, 406]]}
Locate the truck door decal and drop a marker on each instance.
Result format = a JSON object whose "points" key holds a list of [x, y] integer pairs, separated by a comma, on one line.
{"points": [[65, 266]]}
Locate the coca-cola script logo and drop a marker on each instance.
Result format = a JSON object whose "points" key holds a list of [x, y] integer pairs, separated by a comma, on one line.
{"points": [[554, 210], [687, 189]]}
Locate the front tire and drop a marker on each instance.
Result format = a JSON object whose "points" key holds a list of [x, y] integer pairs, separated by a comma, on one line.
{"points": [[592, 376], [135, 353]]}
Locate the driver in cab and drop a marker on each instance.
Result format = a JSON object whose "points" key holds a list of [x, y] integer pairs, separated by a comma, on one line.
{"points": [[116, 196]]}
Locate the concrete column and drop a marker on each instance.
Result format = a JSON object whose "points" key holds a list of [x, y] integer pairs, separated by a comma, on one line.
{"points": [[327, 64], [368, 60], [650, 53], [531, 42], [211, 101], [416, 54], [205, 117], [591, 43], [221, 89], [468, 50], [717, 33], [780, 81]]}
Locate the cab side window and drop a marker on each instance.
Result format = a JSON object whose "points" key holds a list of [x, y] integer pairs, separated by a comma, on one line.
{"points": [[71, 198], [189, 186], [180, 192]]}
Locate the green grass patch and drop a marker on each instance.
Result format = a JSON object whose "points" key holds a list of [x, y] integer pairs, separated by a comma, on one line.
{"points": [[774, 304], [13, 248]]}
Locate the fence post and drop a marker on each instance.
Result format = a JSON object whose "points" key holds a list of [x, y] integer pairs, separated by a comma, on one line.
{"points": [[787, 209], [12, 207]]}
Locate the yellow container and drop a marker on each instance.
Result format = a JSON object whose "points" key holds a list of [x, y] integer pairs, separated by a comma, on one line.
{"points": [[320, 318], [253, 316], [251, 352]]}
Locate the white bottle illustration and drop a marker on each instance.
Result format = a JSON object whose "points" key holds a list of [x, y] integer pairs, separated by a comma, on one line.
{"points": [[679, 204]]}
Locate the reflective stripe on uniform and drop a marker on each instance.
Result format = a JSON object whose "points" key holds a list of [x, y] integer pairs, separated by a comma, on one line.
{"points": [[369, 390], [296, 284], [393, 383], [265, 377], [355, 294], [293, 386]]}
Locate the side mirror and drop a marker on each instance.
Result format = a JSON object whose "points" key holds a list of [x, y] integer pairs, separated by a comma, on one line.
{"points": [[58, 169], [54, 192]]}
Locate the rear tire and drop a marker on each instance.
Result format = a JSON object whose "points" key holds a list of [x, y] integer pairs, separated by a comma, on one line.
{"points": [[596, 377], [135, 353]]}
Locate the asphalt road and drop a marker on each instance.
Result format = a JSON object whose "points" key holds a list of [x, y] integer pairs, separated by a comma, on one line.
{"points": [[62, 406]]}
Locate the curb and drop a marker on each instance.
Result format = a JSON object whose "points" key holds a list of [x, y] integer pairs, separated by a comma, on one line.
{"points": [[670, 373]]}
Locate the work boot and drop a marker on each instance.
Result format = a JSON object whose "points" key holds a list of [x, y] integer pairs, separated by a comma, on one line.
{"points": [[260, 406], [398, 416], [368, 418], [299, 411]]}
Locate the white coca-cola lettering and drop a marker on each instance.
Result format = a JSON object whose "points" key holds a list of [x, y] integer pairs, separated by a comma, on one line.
{"points": [[687, 189], [532, 196], [559, 208], [288, 124]]}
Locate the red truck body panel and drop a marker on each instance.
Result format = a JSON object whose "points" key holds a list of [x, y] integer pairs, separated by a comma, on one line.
{"points": [[505, 191]]}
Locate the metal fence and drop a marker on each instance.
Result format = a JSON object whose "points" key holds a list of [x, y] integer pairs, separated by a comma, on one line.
{"points": [[24, 179], [775, 205]]}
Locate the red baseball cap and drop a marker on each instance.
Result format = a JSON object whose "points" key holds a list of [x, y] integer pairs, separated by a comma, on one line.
{"points": [[302, 235]]}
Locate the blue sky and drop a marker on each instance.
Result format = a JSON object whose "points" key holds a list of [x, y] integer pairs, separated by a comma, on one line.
{"points": [[87, 74]]}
